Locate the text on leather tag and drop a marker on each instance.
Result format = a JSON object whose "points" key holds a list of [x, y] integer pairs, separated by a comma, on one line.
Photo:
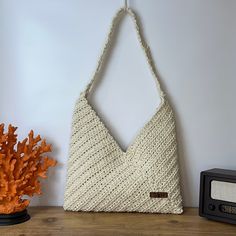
{"points": [[158, 194]]}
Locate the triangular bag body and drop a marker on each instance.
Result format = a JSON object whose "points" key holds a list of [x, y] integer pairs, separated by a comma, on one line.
{"points": [[102, 177]]}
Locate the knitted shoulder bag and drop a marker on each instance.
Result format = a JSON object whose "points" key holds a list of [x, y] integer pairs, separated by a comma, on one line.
{"points": [[103, 177]]}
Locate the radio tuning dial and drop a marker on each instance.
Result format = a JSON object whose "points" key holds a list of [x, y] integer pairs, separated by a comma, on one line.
{"points": [[211, 207]]}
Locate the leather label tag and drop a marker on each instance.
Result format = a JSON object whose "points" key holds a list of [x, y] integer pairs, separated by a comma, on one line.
{"points": [[158, 194]]}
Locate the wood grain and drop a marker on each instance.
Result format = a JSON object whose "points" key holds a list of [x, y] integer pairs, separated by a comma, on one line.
{"points": [[49, 221]]}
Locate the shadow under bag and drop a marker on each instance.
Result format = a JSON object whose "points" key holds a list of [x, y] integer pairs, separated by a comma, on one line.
{"points": [[103, 177]]}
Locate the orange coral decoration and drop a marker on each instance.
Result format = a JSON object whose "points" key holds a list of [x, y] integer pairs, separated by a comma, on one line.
{"points": [[21, 164]]}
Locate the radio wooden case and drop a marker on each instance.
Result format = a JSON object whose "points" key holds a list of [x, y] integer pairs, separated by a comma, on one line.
{"points": [[218, 195]]}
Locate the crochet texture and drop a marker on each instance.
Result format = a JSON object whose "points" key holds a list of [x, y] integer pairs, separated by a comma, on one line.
{"points": [[102, 177]]}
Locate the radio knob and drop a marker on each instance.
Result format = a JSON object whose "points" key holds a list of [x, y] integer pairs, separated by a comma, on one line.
{"points": [[211, 207]]}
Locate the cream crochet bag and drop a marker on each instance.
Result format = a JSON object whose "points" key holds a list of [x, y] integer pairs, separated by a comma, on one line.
{"points": [[102, 177]]}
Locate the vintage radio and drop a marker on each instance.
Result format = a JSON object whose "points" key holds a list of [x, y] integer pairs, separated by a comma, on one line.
{"points": [[218, 195]]}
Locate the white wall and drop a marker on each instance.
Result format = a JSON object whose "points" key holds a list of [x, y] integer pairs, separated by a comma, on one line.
{"points": [[48, 52]]}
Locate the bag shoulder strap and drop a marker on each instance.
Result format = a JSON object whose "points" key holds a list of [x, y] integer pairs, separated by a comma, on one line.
{"points": [[120, 13]]}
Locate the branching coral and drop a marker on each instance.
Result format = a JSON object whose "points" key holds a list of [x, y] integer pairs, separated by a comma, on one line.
{"points": [[21, 165]]}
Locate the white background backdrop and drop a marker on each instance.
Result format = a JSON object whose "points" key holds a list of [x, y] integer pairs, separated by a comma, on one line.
{"points": [[48, 52]]}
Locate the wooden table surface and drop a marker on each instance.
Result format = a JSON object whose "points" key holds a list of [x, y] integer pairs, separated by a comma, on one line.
{"points": [[55, 221]]}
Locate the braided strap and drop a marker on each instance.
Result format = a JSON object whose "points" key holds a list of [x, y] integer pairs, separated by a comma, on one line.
{"points": [[116, 19]]}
